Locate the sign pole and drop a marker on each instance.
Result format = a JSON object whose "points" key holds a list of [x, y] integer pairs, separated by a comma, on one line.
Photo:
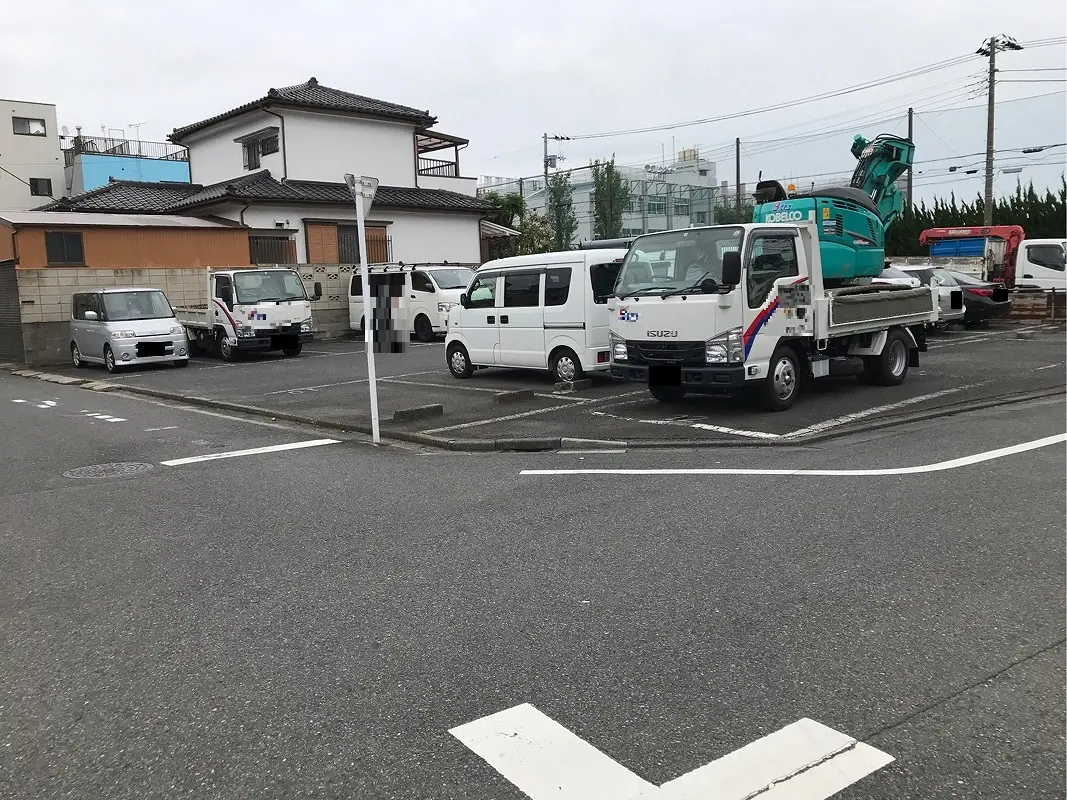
{"points": [[363, 190]]}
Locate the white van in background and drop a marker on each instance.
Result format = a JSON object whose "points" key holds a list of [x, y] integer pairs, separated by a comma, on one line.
{"points": [[546, 311], [1040, 264], [432, 289]]}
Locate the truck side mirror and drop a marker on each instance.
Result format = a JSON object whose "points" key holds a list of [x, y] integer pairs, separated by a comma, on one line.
{"points": [[731, 267], [463, 300], [318, 291]]}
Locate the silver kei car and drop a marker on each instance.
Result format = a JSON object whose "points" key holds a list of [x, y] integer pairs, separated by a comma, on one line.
{"points": [[124, 327]]}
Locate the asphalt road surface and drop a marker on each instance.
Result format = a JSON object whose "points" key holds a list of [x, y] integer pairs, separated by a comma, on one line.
{"points": [[314, 621]]}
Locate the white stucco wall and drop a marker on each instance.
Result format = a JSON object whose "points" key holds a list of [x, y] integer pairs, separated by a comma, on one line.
{"points": [[416, 236], [28, 156], [435, 237], [324, 147], [214, 155], [467, 186]]}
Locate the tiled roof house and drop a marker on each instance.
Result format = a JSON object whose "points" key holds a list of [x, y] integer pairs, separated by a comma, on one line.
{"points": [[277, 165]]}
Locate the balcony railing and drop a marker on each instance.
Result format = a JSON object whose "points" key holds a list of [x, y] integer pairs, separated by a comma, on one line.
{"points": [[73, 146], [436, 168]]}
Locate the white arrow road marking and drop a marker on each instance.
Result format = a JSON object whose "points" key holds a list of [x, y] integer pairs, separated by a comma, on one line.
{"points": [[274, 448], [941, 466], [544, 759], [802, 761]]}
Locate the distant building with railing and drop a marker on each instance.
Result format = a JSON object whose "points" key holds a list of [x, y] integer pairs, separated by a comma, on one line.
{"points": [[92, 161]]}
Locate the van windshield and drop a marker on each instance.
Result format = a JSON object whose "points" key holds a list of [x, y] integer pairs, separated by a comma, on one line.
{"points": [[678, 259], [457, 278], [259, 286], [136, 305]]}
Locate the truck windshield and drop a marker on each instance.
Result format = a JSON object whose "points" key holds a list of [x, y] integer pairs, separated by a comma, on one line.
{"points": [[452, 278], [136, 305], [258, 286], [679, 259]]}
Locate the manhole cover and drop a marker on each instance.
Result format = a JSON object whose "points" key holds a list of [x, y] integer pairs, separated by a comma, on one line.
{"points": [[119, 470]]}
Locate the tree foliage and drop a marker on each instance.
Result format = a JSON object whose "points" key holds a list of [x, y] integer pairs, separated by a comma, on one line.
{"points": [[1040, 216], [561, 217], [535, 235], [507, 208], [726, 212], [610, 198]]}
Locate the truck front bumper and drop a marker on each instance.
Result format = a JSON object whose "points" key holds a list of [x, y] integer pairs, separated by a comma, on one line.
{"points": [[695, 380], [273, 339]]}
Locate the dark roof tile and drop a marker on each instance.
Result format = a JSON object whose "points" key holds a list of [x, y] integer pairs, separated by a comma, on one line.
{"points": [[313, 95], [129, 197], [159, 198]]}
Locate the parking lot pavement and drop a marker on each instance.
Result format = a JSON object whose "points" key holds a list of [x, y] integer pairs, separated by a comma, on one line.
{"points": [[318, 622], [328, 384]]}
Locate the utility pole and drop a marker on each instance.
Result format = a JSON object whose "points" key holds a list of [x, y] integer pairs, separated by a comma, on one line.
{"points": [[989, 50], [550, 161], [911, 115], [737, 173]]}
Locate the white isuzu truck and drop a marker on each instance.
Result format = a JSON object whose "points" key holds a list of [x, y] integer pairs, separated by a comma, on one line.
{"points": [[727, 308], [252, 308]]}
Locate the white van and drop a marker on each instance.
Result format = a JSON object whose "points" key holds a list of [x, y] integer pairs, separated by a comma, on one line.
{"points": [[536, 312], [1040, 264], [432, 289]]}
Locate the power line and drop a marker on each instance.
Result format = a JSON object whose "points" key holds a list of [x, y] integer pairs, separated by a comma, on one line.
{"points": [[912, 73], [1036, 69]]}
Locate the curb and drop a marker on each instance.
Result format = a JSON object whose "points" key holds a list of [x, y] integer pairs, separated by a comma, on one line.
{"points": [[545, 444]]}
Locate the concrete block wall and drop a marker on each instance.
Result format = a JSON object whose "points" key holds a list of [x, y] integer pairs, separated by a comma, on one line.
{"points": [[331, 312]]}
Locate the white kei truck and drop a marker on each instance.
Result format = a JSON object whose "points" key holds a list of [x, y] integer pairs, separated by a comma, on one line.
{"points": [[730, 308], [251, 308]]}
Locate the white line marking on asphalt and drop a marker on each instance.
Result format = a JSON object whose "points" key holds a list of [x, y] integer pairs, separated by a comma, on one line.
{"points": [[735, 431], [478, 422], [18, 401], [1050, 366], [544, 759], [167, 428], [981, 337], [818, 427], [441, 386], [299, 389], [940, 466], [803, 761], [274, 448]]}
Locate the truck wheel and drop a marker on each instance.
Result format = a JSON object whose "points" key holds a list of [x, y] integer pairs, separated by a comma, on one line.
{"points": [[459, 363], [293, 349], [890, 367], [667, 394], [782, 384], [226, 350], [423, 328]]}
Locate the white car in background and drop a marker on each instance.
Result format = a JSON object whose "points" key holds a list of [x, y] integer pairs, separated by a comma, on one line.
{"points": [[950, 295]]}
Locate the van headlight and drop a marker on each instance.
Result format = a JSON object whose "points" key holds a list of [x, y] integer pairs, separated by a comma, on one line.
{"points": [[726, 348], [618, 347], [124, 334], [177, 330], [444, 308]]}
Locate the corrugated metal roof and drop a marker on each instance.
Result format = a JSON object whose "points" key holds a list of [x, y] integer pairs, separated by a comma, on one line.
{"points": [[77, 218]]}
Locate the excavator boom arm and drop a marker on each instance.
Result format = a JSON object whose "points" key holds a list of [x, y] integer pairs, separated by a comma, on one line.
{"points": [[881, 162]]}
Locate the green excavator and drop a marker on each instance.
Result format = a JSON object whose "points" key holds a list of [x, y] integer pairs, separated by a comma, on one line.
{"points": [[852, 219]]}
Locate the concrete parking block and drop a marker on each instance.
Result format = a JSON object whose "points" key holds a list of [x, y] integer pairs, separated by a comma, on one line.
{"points": [[418, 412], [504, 398], [574, 386]]}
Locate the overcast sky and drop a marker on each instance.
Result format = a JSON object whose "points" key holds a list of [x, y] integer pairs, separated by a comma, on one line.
{"points": [[503, 73]]}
